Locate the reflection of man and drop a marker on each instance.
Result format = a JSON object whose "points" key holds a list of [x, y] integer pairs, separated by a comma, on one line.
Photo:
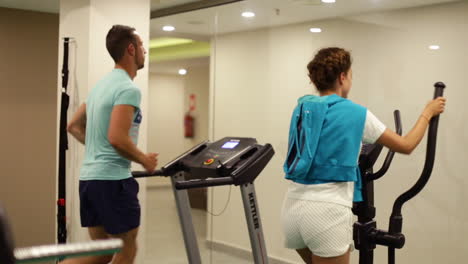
{"points": [[108, 122]]}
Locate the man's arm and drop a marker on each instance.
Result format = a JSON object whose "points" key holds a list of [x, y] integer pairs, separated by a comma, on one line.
{"points": [[77, 126], [119, 138]]}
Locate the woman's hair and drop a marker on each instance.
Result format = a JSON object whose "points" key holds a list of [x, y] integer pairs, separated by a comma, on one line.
{"points": [[327, 66]]}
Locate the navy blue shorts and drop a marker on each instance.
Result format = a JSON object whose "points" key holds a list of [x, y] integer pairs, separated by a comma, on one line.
{"points": [[111, 204]]}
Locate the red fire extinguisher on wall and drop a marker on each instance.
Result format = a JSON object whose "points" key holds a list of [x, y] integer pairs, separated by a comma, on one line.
{"points": [[188, 125], [189, 121]]}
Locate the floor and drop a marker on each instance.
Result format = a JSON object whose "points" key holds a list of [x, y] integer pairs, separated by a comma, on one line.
{"points": [[164, 242]]}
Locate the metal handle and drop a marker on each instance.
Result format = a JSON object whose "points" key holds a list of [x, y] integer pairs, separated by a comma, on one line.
{"points": [[396, 218], [390, 154], [143, 174], [52, 252], [200, 183]]}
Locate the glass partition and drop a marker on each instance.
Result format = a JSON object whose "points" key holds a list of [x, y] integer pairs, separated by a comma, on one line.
{"points": [[255, 67], [180, 54]]}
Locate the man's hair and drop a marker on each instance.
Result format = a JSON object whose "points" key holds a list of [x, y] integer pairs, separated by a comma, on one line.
{"points": [[327, 66], [117, 40]]}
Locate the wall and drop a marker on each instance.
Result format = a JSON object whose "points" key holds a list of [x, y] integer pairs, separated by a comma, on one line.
{"points": [[165, 119], [197, 83], [260, 75], [168, 103], [28, 110]]}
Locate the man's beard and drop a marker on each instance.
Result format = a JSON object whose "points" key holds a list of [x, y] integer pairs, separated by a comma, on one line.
{"points": [[139, 66]]}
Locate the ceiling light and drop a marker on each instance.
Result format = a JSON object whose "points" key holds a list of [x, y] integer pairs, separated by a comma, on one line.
{"points": [[434, 47], [182, 71], [315, 30], [168, 28], [248, 14], [328, 1]]}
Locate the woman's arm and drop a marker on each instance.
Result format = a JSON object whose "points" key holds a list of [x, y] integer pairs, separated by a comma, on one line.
{"points": [[406, 144]]}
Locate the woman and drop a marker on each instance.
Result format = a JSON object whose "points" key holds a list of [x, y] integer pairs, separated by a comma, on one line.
{"points": [[325, 139]]}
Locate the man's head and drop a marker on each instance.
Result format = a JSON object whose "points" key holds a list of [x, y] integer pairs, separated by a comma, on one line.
{"points": [[123, 42]]}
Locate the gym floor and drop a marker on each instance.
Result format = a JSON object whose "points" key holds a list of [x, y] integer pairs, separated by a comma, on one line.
{"points": [[164, 242]]}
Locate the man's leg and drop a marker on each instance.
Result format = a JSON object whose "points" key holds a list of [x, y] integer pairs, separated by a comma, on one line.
{"points": [[95, 233], [129, 250]]}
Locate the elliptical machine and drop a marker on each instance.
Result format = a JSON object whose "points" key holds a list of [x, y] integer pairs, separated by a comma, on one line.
{"points": [[365, 233]]}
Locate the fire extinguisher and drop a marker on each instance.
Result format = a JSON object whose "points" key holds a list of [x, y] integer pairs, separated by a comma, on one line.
{"points": [[188, 125], [188, 119]]}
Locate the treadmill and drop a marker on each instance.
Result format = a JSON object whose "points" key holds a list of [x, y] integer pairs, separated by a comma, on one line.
{"points": [[229, 161], [365, 233]]}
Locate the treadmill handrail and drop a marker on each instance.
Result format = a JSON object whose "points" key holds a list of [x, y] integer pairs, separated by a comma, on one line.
{"points": [[143, 174], [240, 153], [390, 154], [428, 164], [188, 152], [167, 169], [201, 183], [256, 156]]}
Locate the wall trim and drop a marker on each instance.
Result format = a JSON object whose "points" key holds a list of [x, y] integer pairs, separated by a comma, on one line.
{"points": [[240, 252], [189, 7]]}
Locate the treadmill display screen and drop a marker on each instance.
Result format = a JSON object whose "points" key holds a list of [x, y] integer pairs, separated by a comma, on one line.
{"points": [[230, 144]]}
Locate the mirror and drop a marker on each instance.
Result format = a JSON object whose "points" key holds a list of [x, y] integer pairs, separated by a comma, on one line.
{"points": [[255, 70]]}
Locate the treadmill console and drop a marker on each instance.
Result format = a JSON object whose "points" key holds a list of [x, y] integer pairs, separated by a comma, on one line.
{"points": [[237, 157], [219, 158]]}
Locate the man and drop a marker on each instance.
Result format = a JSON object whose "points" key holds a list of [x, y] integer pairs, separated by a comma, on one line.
{"points": [[108, 126]]}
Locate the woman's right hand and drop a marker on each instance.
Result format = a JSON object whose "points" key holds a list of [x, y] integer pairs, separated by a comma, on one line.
{"points": [[435, 107], [407, 143]]}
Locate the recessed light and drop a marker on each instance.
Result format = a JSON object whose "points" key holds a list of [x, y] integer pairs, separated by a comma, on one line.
{"points": [[434, 47], [182, 71], [168, 28], [248, 14], [315, 30], [328, 1]]}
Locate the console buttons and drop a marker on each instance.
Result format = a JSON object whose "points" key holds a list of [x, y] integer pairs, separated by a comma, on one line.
{"points": [[208, 161]]}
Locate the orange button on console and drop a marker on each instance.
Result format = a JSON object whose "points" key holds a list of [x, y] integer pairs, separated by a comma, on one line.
{"points": [[208, 161]]}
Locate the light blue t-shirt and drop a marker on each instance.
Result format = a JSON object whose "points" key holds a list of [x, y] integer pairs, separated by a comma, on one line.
{"points": [[101, 161]]}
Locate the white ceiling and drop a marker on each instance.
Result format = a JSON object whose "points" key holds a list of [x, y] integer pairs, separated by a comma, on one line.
{"points": [[172, 67], [201, 23], [269, 13], [204, 23]]}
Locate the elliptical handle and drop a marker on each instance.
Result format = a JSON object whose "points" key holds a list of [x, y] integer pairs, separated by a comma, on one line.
{"points": [[439, 89], [398, 126], [390, 154], [396, 218]]}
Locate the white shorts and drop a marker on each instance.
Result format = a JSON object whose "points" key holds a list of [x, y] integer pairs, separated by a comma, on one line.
{"points": [[325, 228]]}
